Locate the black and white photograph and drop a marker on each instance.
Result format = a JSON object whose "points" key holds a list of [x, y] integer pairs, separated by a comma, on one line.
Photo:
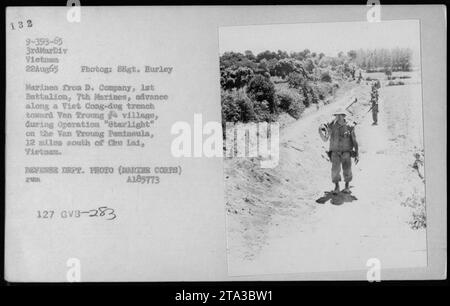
{"points": [[348, 186]]}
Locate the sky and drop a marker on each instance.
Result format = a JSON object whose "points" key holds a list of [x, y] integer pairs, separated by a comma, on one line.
{"points": [[329, 38]]}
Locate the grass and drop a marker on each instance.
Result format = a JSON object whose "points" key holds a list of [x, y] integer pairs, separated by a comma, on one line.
{"points": [[417, 204]]}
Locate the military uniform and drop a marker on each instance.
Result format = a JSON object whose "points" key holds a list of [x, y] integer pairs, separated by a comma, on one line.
{"points": [[375, 111], [341, 145], [374, 107], [374, 93]]}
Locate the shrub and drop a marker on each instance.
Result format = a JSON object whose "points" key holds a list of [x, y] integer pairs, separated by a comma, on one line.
{"points": [[236, 106], [296, 80], [235, 78], [306, 96], [395, 83], [291, 102], [325, 77], [230, 109], [324, 90], [247, 109], [418, 219], [308, 65], [371, 79], [313, 94], [262, 111], [284, 67], [261, 89]]}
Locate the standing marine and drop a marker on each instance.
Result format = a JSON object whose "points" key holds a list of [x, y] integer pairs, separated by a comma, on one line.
{"points": [[374, 108]]}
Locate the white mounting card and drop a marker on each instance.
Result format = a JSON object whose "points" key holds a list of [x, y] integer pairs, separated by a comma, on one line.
{"points": [[117, 168]]}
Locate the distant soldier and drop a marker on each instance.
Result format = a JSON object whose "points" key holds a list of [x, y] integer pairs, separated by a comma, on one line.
{"points": [[359, 77], [374, 108], [343, 146]]}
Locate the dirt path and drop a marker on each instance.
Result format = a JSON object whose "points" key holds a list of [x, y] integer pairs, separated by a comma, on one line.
{"points": [[296, 234]]}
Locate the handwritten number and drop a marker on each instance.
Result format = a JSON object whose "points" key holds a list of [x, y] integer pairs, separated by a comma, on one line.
{"points": [[110, 211], [103, 211]]}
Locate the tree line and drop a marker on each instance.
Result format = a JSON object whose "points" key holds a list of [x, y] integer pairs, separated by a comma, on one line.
{"points": [[260, 87], [397, 59]]}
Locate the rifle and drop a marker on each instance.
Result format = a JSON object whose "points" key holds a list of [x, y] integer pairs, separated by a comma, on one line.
{"points": [[356, 100], [373, 104], [360, 119]]}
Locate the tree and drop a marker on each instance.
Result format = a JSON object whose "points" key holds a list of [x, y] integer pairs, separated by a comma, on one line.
{"points": [[235, 78], [235, 60], [308, 65], [282, 54], [306, 53], [301, 55], [229, 59], [236, 106], [271, 64], [262, 89], [268, 55], [249, 54], [297, 80], [398, 59], [284, 67], [352, 55]]}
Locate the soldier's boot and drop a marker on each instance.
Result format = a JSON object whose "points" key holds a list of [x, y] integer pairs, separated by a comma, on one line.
{"points": [[347, 188], [336, 188]]}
